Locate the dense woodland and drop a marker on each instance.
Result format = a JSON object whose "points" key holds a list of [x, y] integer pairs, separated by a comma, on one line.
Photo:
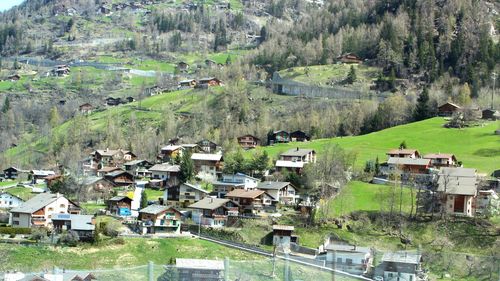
{"points": [[428, 52]]}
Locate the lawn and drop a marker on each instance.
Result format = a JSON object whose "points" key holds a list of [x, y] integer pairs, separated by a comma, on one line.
{"points": [[7, 183], [21, 192], [153, 194], [92, 208], [476, 147]]}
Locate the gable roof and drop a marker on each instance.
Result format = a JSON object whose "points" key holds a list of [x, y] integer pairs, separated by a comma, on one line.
{"points": [[297, 152], [199, 264], [406, 151], [7, 192], [209, 203], [460, 181], [78, 222], [171, 147], [36, 203], [119, 198], [247, 135], [154, 209], [439, 156], [402, 257], [165, 167], [206, 157], [283, 227], [195, 187], [408, 161], [118, 173], [450, 103], [241, 193], [42, 173], [289, 164], [135, 162], [108, 169], [273, 185]]}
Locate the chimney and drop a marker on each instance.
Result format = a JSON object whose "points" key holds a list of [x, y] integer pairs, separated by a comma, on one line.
{"points": [[297, 148]]}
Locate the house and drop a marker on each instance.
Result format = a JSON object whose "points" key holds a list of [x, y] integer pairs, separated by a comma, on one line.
{"points": [[96, 187], [8, 200], [282, 192], [52, 179], [349, 58], [295, 159], [490, 114], [110, 101], [111, 157], [278, 137], [169, 174], [38, 211], [230, 182], [158, 218], [120, 205], [401, 266], [250, 201], [36, 175], [448, 109], [299, 136], [170, 152], [248, 141], [197, 269], [408, 165], [207, 166], [190, 193], [458, 188], [349, 258], [61, 70], [283, 235], [207, 146], [49, 276], [186, 84], [12, 173], [138, 168], [213, 212], [182, 66], [403, 153], [120, 178], [85, 108], [441, 159], [83, 225], [191, 147], [208, 82]]}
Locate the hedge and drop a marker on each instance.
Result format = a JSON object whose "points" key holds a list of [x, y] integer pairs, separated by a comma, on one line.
{"points": [[15, 230]]}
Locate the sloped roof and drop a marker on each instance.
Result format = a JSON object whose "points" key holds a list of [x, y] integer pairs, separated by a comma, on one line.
{"points": [[119, 198], [199, 264], [78, 222], [408, 161], [406, 151], [439, 156], [196, 187], [460, 181], [206, 157], [241, 193], [283, 227], [154, 209], [36, 203], [135, 162], [450, 103], [42, 173], [209, 203], [297, 152], [165, 167], [276, 185], [109, 169], [171, 147], [402, 257]]}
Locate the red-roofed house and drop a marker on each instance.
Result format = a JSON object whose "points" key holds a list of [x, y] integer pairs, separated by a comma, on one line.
{"points": [[403, 153], [441, 159]]}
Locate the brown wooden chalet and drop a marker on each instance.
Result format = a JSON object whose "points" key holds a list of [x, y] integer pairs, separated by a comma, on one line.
{"points": [[248, 141]]}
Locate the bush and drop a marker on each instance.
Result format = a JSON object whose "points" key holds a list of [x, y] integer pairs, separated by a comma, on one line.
{"points": [[38, 234], [69, 238], [112, 228], [14, 230]]}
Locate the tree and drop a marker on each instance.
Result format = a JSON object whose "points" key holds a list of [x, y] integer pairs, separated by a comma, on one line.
{"points": [[54, 117], [464, 95], [228, 60], [260, 161], [351, 76], [144, 199], [402, 145], [6, 105], [38, 234], [234, 162], [422, 111], [186, 167], [69, 238]]}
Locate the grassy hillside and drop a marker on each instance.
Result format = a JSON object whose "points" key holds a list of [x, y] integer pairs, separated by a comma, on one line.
{"points": [[476, 147]]}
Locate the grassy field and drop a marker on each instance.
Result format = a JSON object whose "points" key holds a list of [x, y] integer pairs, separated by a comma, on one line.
{"points": [[21, 192], [153, 195], [476, 147]]}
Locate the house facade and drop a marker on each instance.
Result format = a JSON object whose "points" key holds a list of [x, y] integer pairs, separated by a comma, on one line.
{"points": [[158, 218], [207, 166], [213, 212], [294, 159], [448, 109], [197, 269], [283, 235], [83, 225], [39, 210], [248, 141], [170, 152], [408, 165], [349, 258], [138, 168], [278, 137], [441, 159], [167, 173], [189, 194], [120, 205], [8, 200], [250, 201], [299, 136], [401, 266], [207, 146], [111, 157], [11, 173], [120, 178]]}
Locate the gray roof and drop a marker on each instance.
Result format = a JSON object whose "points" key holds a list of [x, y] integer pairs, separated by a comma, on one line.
{"points": [[36, 203], [272, 185], [42, 173], [165, 167], [209, 203], [78, 222], [283, 227], [347, 248], [199, 264], [408, 161], [297, 152], [402, 257], [196, 187], [461, 181], [134, 162], [153, 209], [89, 180], [117, 173], [206, 157], [119, 198]]}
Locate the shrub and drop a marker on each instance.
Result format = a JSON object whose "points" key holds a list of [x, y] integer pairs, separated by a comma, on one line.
{"points": [[69, 238], [38, 234], [14, 230], [112, 228]]}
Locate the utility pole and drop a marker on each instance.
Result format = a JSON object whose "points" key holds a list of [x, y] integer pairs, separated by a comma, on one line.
{"points": [[494, 77]]}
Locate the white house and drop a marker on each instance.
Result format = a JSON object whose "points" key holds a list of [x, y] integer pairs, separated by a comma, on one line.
{"points": [[248, 181], [190, 193], [282, 192], [401, 266], [38, 210], [348, 258], [458, 187], [207, 166], [8, 200], [166, 172]]}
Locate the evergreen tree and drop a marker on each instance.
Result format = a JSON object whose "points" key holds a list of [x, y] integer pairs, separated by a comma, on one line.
{"points": [[403, 145], [228, 60], [186, 167], [54, 117], [464, 95], [422, 111], [6, 105], [144, 199], [351, 77]]}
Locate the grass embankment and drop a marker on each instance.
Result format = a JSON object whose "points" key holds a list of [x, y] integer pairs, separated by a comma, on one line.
{"points": [[476, 147], [21, 192]]}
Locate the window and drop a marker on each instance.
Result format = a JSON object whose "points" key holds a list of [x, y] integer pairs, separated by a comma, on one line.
{"points": [[51, 209], [339, 260], [15, 222], [16, 215], [348, 261], [62, 206]]}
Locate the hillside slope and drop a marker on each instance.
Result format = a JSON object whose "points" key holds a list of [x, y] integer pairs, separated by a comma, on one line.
{"points": [[476, 147]]}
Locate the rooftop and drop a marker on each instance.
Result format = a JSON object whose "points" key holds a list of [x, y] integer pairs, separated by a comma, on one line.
{"points": [[283, 227], [165, 167], [408, 161], [439, 156], [300, 152], [241, 193], [209, 203], [154, 209], [36, 203], [171, 147], [402, 257], [199, 264], [272, 185], [206, 157], [406, 151], [78, 222], [461, 181]]}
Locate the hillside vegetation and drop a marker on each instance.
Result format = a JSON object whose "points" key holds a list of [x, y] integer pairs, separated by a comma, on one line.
{"points": [[476, 147]]}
